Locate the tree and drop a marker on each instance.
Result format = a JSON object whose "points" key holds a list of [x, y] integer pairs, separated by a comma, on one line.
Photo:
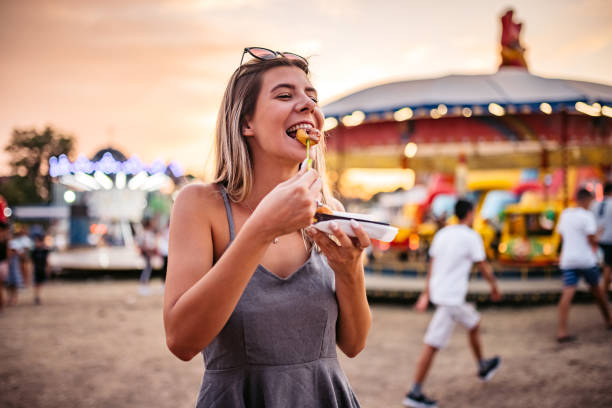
{"points": [[29, 151]]}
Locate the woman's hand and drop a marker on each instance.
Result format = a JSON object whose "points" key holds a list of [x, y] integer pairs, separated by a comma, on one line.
{"points": [[290, 205], [344, 257]]}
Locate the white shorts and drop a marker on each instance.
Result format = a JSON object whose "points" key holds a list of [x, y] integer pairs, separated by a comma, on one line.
{"points": [[443, 322]]}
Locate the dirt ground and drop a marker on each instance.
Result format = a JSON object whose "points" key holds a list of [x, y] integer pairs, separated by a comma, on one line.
{"points": [[100, 344]]}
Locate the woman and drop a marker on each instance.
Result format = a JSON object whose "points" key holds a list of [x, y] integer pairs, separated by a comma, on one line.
{"points": [[246, 285]]}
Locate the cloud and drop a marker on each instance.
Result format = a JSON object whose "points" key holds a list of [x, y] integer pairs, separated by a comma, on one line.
{"points": [[587, 43], [211, 5], [155, 70], [418, 54], [95, 65]]}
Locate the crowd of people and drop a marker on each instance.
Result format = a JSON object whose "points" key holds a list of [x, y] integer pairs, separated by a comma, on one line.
{"points": [[23, 263], [24, 260]]}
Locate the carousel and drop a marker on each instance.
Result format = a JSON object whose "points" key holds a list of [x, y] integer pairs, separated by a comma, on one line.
{"points": [[509, 119], [106, 198], [414, 146]]}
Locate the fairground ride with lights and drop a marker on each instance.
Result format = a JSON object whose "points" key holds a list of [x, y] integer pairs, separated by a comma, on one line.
{"points": [[510, 119], [100, 203], [403, 134]]}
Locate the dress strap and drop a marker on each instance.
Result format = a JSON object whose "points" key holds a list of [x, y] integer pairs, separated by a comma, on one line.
{"points": [[228, 210]]}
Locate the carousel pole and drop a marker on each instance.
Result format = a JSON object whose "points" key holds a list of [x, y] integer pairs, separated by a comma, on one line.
{"points": [[342, 158], [545, 169], [564, 156], [461, 172]]}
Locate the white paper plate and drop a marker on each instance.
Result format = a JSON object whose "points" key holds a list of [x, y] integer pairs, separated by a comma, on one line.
{"points": [[375, 231]]}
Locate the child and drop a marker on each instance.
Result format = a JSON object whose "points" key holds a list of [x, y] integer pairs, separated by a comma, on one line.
{"points": [[577, 227], [39, 259], [453, 251]]}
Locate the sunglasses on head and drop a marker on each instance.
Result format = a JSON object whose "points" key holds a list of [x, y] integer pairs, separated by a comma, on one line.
{"points": [[264, 54]]}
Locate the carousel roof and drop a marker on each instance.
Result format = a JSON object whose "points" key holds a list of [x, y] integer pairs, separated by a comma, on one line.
{"points": [[514, 89], [116, 154]]}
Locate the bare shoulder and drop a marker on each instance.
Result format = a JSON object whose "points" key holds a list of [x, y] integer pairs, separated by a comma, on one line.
{"points": [[198, 193], [195, 197], [336, 205]]}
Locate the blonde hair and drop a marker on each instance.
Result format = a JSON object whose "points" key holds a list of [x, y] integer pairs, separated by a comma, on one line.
{"points": [[234, 168]]}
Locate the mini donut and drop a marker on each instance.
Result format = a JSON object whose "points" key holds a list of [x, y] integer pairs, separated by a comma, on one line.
{"points": [[302, 136]]}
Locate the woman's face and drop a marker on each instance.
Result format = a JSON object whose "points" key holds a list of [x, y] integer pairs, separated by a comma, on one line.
{"points": [[286, 100]]}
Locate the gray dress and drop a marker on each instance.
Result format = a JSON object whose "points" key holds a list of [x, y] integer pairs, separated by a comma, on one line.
{"points": [[278, 348]]}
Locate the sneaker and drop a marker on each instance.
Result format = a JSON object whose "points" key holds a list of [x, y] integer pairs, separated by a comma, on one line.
{"points": [[418, 401], [489, 369], [566, 339], [144, 290]]}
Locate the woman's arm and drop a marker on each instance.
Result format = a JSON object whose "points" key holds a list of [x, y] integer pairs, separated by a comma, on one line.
{"points": [[199, 296], [354, 317]]}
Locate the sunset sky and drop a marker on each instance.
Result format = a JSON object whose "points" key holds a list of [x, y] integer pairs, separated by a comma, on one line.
{"points": [[147, 76]]}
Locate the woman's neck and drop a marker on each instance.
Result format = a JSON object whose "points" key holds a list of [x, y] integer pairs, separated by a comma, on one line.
{"points": [[267, 174]]}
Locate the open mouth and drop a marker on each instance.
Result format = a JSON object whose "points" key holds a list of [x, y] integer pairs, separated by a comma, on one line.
{"points": [[291, 132]]}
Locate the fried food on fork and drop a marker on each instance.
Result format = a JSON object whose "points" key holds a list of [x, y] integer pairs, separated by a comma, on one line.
{"points": [[303, 137]]}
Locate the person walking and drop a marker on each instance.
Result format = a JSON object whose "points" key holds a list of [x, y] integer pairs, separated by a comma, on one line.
{"points": [[578, 228], [454, 250], [603, 216]]}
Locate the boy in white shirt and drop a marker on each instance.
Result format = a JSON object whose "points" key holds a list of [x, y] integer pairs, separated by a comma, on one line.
{"points": [[577, 227], [454, 250]]}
